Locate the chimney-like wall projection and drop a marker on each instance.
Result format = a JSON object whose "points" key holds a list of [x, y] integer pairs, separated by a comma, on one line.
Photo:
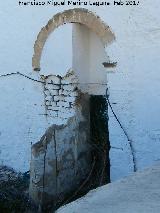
{"points": [[72, 157]]}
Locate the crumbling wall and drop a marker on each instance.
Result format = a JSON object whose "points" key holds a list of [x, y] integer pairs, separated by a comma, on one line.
{"points": [[62, 159], [60, 94], [70, 159]]}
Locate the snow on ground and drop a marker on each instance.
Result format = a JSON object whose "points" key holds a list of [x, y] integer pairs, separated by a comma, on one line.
{"points": [[139, 193]]}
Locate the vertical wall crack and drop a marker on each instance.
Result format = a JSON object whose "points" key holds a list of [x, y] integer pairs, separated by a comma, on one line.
{"points": [[55, 149], [44, 171], [126, 134]]}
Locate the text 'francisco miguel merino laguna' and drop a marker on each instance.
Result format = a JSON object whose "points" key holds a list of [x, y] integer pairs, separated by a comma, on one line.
{"points": [[62, 3]]}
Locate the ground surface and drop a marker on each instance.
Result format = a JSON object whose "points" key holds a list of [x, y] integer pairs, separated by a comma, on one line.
{"points": [[139, 193], [13, 191]]}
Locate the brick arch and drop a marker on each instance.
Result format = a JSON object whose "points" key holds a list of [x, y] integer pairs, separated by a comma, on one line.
{"points": [[78, 15]]}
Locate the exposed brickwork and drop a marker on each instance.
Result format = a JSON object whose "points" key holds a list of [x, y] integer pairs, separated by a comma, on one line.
{"points": [[60, 95]]}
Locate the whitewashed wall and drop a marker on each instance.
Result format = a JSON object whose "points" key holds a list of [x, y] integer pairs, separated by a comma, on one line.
{"points": [[88, 57], [134, 87]]}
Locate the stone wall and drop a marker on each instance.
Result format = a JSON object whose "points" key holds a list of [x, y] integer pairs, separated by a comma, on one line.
{"points": [[60, 95]]}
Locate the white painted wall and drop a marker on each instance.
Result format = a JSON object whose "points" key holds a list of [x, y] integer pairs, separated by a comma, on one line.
{"points": [[22, 120], [88, 56], [134, 87], [57, 53]]}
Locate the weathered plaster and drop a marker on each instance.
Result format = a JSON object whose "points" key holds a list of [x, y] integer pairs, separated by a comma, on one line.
{"points": [[61, 160]]}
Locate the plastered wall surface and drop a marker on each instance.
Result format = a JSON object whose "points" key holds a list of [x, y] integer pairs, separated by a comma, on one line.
{"points": [[87, 61], [61, 160], [134, 87]]}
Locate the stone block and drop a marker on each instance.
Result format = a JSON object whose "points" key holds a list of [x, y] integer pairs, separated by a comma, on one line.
{"points": [[49, 98], [54, 92], [47, 92], [56, 87], [59, 98], [48, 103], [70, 99], [51, 105], [68, 87], [63, 104], [53, 79], [49, 86], [54, 107]]}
